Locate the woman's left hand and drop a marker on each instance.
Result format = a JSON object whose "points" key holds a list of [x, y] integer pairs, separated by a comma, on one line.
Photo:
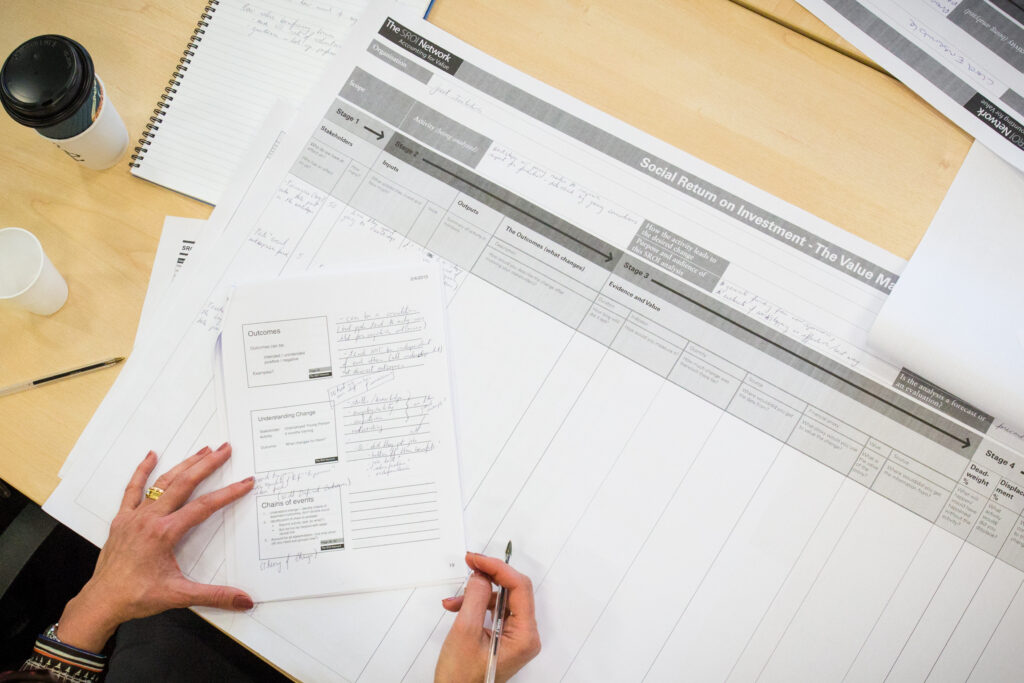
{"points": [[136, 574]]}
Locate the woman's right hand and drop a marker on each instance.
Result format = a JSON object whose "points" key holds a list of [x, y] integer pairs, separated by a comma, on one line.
{"points": [[464, 654]]}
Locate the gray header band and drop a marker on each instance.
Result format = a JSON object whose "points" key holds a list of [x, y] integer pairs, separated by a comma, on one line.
{"points": [[1011, 8], [399, 61], [406, 114], [926, 65], [690, 185], [877, 397], [1014, 100], [353, 121], [992, 29], [678, 255], [943, 401], [416, 44], [365, 91], [997, 119], [579, 242], [445, 135]]}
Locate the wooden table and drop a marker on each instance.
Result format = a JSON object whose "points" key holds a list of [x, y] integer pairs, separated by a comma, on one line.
{"points": [[794, 17], [761, 94]]}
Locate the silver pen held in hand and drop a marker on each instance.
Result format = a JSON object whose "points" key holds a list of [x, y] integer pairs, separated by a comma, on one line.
{"points": [[497, 623]]}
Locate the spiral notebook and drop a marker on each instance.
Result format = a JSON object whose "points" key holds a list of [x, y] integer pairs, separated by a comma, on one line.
{"points": [[242, 56]]}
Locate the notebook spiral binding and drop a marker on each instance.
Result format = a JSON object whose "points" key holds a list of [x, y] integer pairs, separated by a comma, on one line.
{"points": [[172, 85]]}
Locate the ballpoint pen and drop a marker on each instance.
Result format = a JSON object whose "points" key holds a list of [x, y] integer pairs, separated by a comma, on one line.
{"points": [[497, 623], [33, 383]]}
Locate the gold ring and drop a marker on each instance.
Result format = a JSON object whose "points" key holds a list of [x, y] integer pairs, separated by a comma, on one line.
{"points": [[154, 492]]}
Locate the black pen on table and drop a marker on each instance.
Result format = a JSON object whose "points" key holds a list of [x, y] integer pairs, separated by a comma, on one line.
{"points": [[497, 623], [74, 372]]}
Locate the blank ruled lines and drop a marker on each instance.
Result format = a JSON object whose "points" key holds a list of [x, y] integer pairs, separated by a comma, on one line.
{"points": [[216, 111], [394, 515]]}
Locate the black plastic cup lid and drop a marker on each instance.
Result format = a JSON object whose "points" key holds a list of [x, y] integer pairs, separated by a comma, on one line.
{"points": [[46, 80]]}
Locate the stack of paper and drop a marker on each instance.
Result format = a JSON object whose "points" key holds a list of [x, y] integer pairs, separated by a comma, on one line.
{"points": [[661, 383], [178, 241], [379, 395], [338, 400]]}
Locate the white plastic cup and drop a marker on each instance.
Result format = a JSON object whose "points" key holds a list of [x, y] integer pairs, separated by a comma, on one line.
{"points": [[27, 277]]}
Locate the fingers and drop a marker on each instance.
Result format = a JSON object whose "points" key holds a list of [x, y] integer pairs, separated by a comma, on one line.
{"points": [[467, 639], [200, 509], [223, 597], [455, 604], [474, 603], [133, 492], [520, 588], [199, 467], [164, 480]]}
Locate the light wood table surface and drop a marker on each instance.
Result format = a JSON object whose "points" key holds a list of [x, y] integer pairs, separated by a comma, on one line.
{"points": [[793, 16], [760, 100]]}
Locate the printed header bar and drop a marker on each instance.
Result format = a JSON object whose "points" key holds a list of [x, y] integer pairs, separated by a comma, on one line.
{"points": [[578, 241], [879, 398], [997, 119], [411, 116], [410, 41], [1014, 100], [992, 28], [678, 255], [914, 385], [678, 179], [1011, 8], [681, 180], [399, 61]]}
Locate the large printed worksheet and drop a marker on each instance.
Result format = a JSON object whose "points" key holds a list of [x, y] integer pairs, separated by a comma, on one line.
{"points": [[662, 395], [338, 401]]}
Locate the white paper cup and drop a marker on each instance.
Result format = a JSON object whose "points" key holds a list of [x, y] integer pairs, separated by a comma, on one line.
{"points": [[102, 144], [27, 278]]}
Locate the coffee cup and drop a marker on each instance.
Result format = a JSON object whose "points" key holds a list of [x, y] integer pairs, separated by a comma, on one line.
{"points": [[49, 83]]}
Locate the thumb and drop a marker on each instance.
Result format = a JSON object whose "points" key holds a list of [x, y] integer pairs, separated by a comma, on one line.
{"points": [[474, 603], [223, 597]]}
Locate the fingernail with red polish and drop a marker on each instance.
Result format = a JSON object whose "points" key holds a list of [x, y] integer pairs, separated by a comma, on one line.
{"points": [[248, 480], [222, 446], [242, 602]]}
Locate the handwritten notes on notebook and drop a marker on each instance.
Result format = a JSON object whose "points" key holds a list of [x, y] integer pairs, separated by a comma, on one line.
{"points": [[246, 55], [339, 403]]}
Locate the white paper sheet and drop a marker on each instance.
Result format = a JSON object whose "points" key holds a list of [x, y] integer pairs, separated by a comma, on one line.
{"points": [[663, 394], [339, 402], [957, 314], [246, 55], [263, 145], [964, 57], [177, 241]]}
